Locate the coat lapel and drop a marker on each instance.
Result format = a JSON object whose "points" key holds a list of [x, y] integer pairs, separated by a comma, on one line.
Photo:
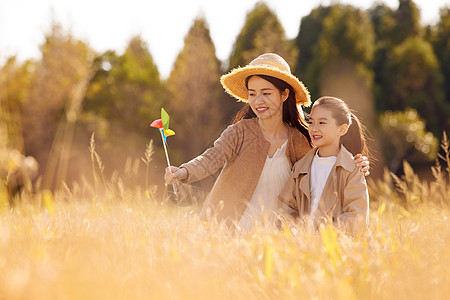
{"points": [[302, 173], [329, 197]]}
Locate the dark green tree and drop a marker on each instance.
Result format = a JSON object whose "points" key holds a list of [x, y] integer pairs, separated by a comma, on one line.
{"points": [[347, 34], [197, 103], [127, 89], [441, 44], [407, 17], [332, 35], [383, 21], [412, 78], [311, 27], [262, 32], [392, 27]]}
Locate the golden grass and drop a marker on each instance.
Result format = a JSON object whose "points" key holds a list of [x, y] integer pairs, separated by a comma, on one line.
{"points": [[140, 249], [127, 245]]}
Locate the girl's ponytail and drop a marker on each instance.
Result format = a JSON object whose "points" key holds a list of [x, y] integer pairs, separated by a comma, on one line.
{"points": [[355, 140]]}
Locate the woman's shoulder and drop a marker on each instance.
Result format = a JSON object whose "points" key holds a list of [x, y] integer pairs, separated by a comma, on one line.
{"points": [[298, 136], [247, 122], [245, 125], [240, 129], [298, 145]]}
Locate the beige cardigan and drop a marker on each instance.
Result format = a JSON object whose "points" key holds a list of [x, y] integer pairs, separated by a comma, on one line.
{"points": [[241, 150], [344, 200]]}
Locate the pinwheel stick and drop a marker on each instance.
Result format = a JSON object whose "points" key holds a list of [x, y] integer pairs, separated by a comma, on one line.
{"points": [[167, 158]]}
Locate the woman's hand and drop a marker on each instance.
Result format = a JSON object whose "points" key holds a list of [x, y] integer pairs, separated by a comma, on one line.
{"points": [[175, 173], [363, 163]]}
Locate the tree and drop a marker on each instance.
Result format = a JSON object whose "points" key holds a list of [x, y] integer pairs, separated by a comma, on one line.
{"points": [[127, 88], [392, 27], [383, 21], [339, 33], [262, 32], [441, 44], [412, 78], [406, 139], [55, 80], [347, 34], [407, 17], [197, 98], [311, 27], [124, 97], [14, 85]]}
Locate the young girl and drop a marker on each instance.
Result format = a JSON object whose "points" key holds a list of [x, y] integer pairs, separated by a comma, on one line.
{"points": [[256, 153], [325, 184]]}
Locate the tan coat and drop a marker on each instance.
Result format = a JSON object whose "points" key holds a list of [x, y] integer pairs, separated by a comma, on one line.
{"points": [[241, 150], [344, 200]]}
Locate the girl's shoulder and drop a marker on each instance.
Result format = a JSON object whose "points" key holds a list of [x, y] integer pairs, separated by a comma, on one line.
{"points": [[345, 160]]}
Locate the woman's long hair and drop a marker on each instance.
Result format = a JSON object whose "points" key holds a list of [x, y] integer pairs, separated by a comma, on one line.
{"points": [[291, 116], [355, 138]]}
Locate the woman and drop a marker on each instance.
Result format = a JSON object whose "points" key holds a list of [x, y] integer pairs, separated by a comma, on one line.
{"points": [[259, 149]]}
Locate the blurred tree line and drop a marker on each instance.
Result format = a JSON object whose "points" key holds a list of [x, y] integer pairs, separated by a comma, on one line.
{"points": [[394, 72]]}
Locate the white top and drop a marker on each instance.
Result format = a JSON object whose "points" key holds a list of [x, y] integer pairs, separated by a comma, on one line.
{"points": [[320, 169], [264, 201]]}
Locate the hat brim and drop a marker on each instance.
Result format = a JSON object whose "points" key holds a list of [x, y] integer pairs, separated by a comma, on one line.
{"points": [[234, 82]]}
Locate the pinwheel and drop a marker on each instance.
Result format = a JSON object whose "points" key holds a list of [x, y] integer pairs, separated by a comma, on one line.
{"points": [[163, 126]]}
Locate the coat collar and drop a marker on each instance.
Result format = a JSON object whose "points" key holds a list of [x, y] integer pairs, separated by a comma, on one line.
{"points": [[344, 159]]}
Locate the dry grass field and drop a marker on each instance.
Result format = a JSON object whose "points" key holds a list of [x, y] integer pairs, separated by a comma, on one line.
{"points": [[125, 244]]}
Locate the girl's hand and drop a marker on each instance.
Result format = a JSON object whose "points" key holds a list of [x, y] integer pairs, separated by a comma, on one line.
{"points": [[175, 173], [363, 163]]}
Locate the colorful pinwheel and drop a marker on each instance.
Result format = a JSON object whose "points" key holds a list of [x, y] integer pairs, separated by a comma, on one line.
{"points": [[163, 126]]}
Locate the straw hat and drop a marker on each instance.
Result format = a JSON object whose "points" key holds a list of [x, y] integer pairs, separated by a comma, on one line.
{"points": [[269, 64]]}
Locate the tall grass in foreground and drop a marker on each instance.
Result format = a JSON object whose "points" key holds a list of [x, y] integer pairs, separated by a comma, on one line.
{"points": [[124, 245]]}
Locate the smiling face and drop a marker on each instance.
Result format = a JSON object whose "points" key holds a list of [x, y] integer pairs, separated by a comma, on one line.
{"points": [[265, 99], [324, 131]]}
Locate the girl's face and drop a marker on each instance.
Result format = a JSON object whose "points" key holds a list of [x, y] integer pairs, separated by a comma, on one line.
{"points": [[324, 130], [265, 99]]}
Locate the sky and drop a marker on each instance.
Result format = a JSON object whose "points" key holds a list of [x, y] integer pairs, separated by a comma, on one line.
{"points": [[162, 24]]}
